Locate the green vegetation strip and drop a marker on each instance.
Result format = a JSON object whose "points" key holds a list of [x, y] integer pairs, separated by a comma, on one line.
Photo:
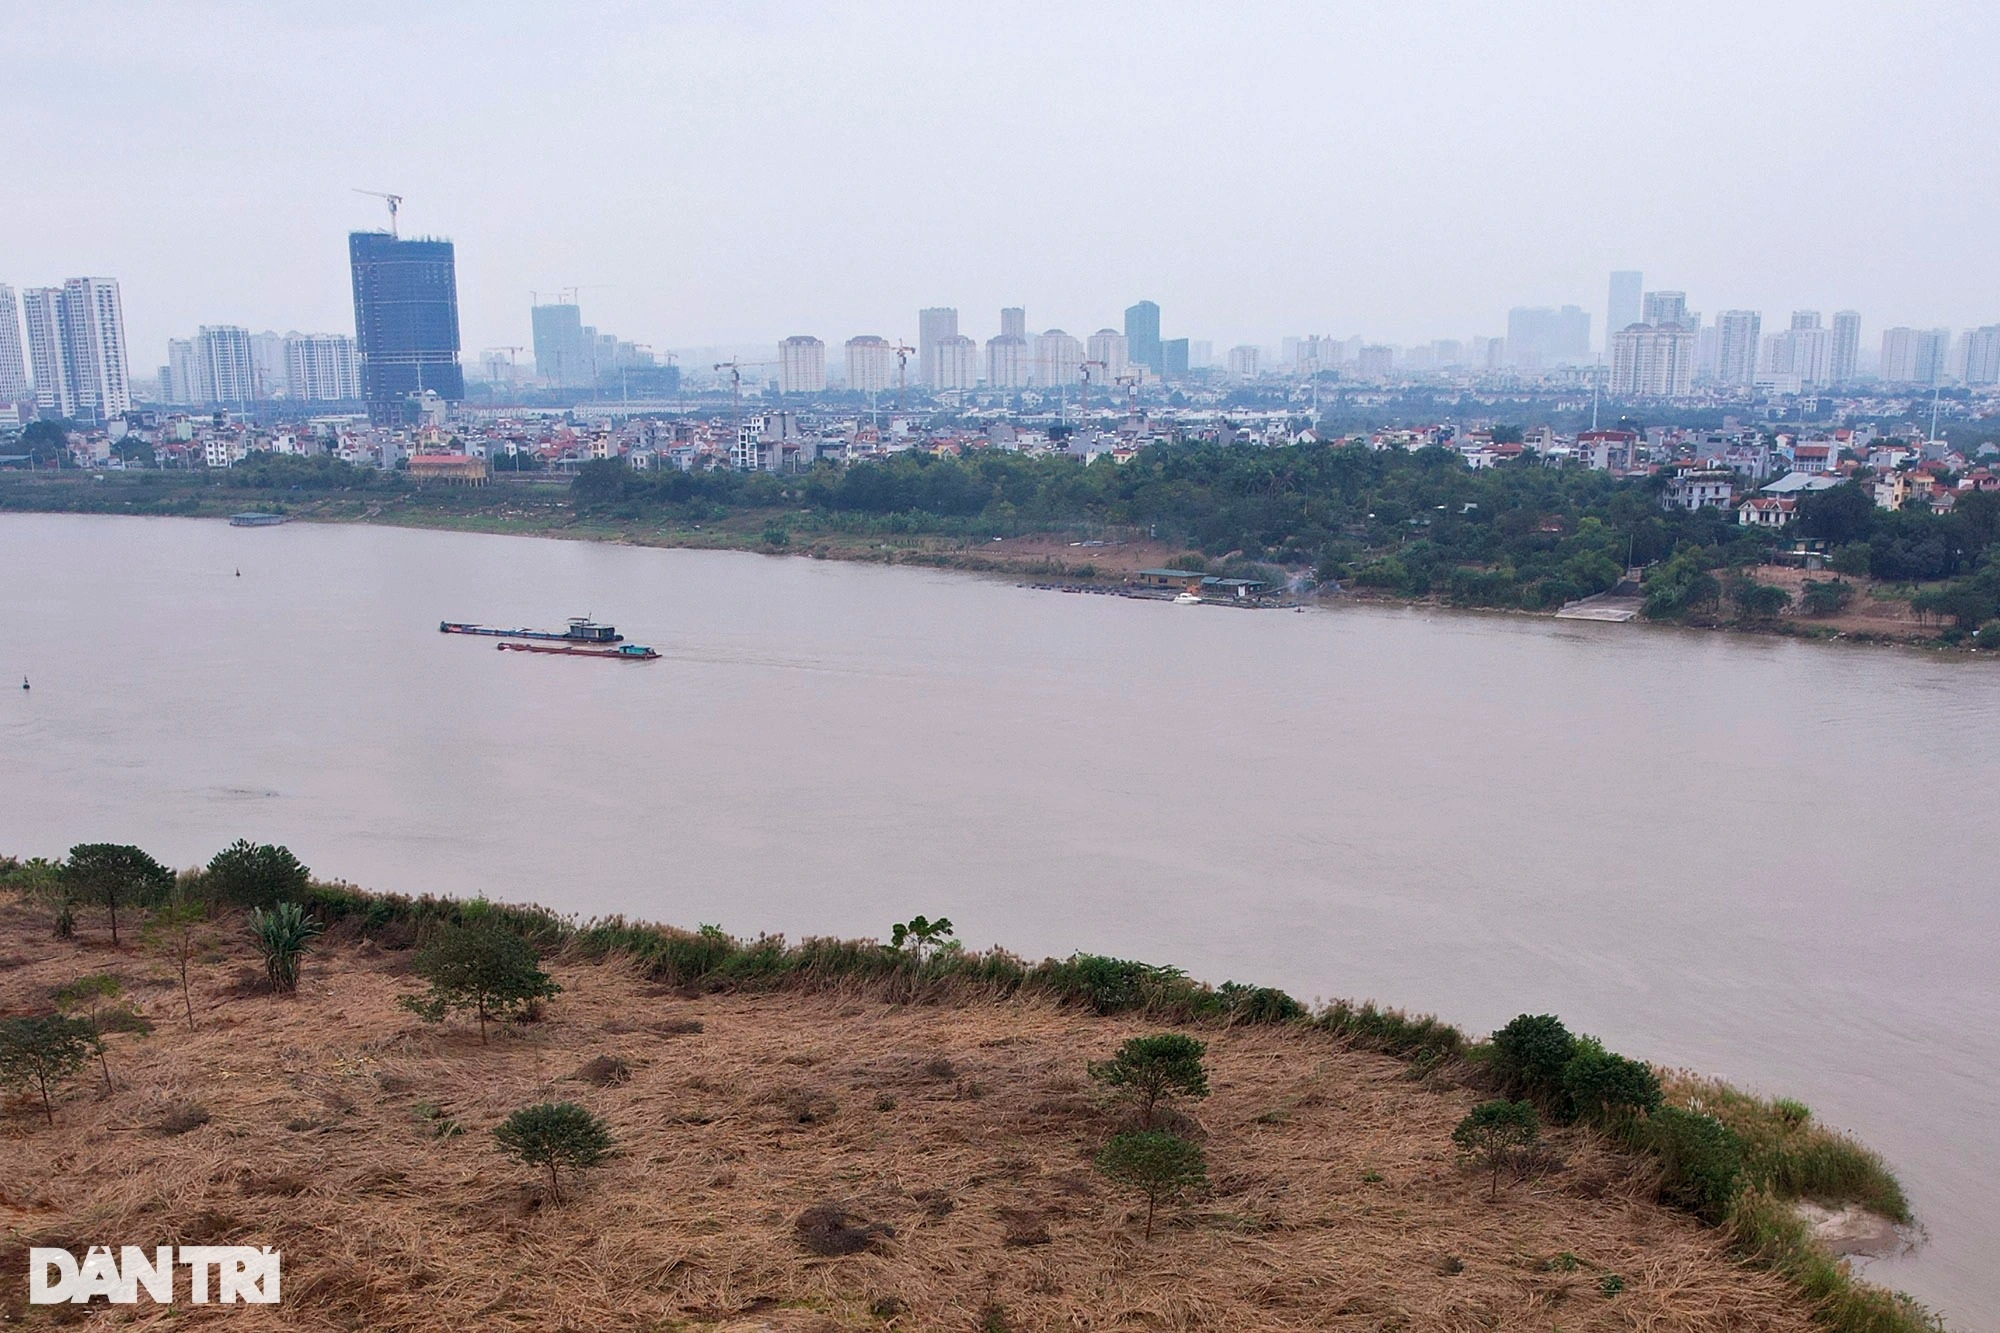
{"points": [[1733, 1160]]}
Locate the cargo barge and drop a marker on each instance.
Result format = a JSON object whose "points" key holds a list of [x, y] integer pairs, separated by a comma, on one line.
{"points": [[581, 630], [624, 652]]}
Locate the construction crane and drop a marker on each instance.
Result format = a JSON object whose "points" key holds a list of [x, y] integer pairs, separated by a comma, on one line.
{"points": [[1083, 390], [735, 369], [902, 363], [1131, 383], [394, 201]]}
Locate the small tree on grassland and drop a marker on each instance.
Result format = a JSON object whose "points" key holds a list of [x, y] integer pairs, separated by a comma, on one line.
{"points": [[1159, 1166], [1530, 1054], [40, 1052], [1608, 1088], [90, 994], [491, 971], [177, 932], [922, 938], [284, 936], [552, 1135], [1495, 1132], [1150, 1070], [256, 874], [111, 873]]}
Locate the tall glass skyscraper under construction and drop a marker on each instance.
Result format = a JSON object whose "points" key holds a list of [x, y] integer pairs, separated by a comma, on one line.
{"points": [[405, 322]]}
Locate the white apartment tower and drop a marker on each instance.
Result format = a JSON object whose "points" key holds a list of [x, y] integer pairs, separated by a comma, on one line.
{"points": [[934, 325], [1846, 346], [98, 375], [1738, 336], [227, 368], [1243, 362], [1109, 348], [41, 307], [1014, 322], [1007, 361], [1913, 356], [955, 362], [801, 365], [322, 368], [1653, 360], [1058, 359], [13, 366], [871, 364]]}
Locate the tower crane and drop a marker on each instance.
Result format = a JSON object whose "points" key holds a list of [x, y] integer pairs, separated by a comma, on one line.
{"points": [[394, 200], [1083, 390], [735, 369], [902, 364]]}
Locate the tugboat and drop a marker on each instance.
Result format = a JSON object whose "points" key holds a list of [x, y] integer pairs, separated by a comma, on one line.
{"points": [[582, 629], [624, 652]]}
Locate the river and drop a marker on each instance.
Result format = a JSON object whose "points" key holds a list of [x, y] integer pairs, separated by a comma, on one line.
{"points": [[1755, 857]]}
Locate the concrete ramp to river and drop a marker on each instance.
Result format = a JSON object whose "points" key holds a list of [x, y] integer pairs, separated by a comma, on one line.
{"points": [[1604, 606]]}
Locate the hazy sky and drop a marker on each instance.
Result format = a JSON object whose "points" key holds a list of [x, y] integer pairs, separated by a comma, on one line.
{"points": [[738, 172]]}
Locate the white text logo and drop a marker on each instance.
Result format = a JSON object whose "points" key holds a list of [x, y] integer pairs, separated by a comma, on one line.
{"points": [[220, 1273]]}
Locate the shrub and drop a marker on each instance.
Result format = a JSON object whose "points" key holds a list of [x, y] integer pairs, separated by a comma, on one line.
{"points": [[1149, 1070], [554, 1135], [1529, 1056], [491, 971], [1159, 1166], [112, 872], [257, 875], [1825, 597], [1495, 1133], [1258, 1004], [1608, 1088], [1701, 1160], [832, 1229], [1988, 637], [40, 1052], [1108, 985], [283, 937], [921, 939]]}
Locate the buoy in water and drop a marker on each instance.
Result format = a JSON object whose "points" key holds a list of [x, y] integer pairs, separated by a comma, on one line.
{"points": [[24, 682], [239, 573]]}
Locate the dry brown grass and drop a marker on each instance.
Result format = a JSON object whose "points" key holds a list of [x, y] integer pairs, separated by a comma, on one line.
{"points": [[806, 1162]]}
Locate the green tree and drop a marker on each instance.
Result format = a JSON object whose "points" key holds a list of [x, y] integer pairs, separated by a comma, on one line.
{"points": [[40, 1052], [1608, 1087], [132, 449], [257, 874], [1147, 1071], [283, 937], [1701, 1160], [555, 1135], [922, 938], [1837, 515], [1853, 559], [492, 971], [1758, 601], [1825, 597], [178, 931], [90, 995], [113, 872], [45, 442], [1159, 1166], [1495, 1133], [1529, 1056]]}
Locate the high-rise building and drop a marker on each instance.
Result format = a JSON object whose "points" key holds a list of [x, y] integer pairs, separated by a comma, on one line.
{"points": [[267, 354], [1653, 360], [1623, 309], [322, 368], [405, 321], [1737, 337], [801, 365], [1007, 361], [871, 364], [561, 358], [1846, 346], [13, 365], [1665, 308], [1540, 336], [1174, 358], [222, 357], [182, 376], [1805, 319], [1243, 362], [1982, 356], [956, 362], [1142, 337], [1014, 322], [1913, 356], [41, 308], [934, 325], [1109, 349], [1805, 350], [1058, 359]]}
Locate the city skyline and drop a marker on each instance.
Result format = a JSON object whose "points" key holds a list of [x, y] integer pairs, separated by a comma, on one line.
{"points": [[1269, 233]]}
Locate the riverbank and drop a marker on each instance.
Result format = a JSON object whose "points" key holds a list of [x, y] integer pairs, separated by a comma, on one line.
{"points": [[940, 1105], [1092, 555]]}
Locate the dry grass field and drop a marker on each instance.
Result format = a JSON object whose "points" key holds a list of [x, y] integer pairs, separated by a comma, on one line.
{"points": [[949, 1146]]}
